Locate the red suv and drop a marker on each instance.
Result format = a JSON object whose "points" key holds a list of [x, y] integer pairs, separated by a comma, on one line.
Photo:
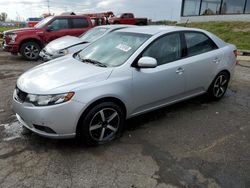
{"points": [[29, 41]]}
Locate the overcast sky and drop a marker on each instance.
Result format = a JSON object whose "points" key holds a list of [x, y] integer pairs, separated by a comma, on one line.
{"points": [[153, 9]]}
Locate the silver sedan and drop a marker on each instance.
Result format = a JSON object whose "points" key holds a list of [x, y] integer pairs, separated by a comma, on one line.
{"points": [[70, 44], [90, 94]]}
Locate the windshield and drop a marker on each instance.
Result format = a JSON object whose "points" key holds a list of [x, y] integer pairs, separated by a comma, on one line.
{"points": [[93, 34], [43, 22], [114, 49]]}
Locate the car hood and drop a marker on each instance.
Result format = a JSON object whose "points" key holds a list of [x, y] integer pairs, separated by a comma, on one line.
{"points": [[61, 75], [63, 43], [28, 29]]}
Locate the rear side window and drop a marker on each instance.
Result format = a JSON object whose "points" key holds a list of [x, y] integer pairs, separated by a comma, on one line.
{"points": [[80, 23], [198, 43], [165, 49]]}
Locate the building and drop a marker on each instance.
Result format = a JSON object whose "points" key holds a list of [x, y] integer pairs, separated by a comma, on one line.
{"points": [[215, 10]]}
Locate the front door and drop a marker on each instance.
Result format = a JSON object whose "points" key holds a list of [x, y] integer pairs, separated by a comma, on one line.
{"points": [[57, 28], [154, 87]]}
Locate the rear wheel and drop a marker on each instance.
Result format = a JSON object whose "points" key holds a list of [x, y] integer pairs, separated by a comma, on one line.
{"points": [[219, 86], [30, 50], [102, 124]]}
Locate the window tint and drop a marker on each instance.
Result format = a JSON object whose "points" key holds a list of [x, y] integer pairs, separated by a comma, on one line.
{"points": [[198, 43], [165, 49], [191, 7], [80, 23], [60, 24], [125, 16], [233, 6], [130, 15], [210, 7]]}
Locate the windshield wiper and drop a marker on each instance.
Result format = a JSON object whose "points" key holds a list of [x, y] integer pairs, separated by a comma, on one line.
{"points": [[93, 62]]}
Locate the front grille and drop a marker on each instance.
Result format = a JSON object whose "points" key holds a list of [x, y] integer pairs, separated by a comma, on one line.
{"points": [[21, 95], [44, 129]]}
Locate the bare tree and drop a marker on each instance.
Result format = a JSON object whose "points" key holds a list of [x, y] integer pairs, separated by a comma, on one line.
{"points": [[3, 16]]}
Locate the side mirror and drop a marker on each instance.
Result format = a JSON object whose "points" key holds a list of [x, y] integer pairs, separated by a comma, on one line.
{"points": [[50, 28], [147, 62]]}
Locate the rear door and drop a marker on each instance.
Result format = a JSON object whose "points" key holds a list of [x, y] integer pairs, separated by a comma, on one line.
{"points": [[203, 58], [78, 26], [58, 28]]}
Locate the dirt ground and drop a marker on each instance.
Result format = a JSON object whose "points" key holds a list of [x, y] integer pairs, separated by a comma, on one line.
{"points": [[192, 144]]}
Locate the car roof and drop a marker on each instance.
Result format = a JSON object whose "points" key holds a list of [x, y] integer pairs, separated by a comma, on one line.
{"points": [[116, 26], [153, 30]]}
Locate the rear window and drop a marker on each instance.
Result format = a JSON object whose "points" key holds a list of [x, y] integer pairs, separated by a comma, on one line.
{"points": [[198, 43], [34, 19], [80, 23]]}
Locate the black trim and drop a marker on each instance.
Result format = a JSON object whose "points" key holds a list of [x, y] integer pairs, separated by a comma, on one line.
{"points": [[200, 7], [75, 45]]}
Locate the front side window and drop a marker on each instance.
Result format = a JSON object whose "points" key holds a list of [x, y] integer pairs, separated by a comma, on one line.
{"points": [[114, 49], [233, 6], [210, 7], [191, 7], [198, 43], [80, 23], [59, 24], [165, 49]]}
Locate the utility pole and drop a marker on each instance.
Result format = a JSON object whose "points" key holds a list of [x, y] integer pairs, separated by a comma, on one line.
{"points": [[48, 6]]}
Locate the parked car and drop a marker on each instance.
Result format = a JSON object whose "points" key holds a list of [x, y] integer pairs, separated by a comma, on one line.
{"points": [[128, 18], [126, 73], [29, 41], [69, 44], [31, 22]]}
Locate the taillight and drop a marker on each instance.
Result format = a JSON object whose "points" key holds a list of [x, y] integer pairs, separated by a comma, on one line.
{"points": [[235, 53]]}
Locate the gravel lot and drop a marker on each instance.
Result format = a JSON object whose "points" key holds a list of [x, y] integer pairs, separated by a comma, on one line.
{"points": [[192, 144]]}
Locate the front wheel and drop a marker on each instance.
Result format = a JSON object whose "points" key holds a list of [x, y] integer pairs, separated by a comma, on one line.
{"points": [[219, 86], [30, 50], [102, 124]]}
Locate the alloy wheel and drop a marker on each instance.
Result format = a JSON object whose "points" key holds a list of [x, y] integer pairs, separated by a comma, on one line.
{"points": [[31, 51], [220, 86], [104, 125]]}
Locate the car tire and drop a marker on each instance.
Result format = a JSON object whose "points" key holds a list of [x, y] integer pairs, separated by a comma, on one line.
{"points": [[30, 51], [101, 124], [219, 86]]}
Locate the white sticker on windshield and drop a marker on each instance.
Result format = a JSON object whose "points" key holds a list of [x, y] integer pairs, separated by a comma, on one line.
{"points": [[123, 47]]}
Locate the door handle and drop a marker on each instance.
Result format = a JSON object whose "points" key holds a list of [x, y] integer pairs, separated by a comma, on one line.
{"points": [[216, 60], [180, 70]]}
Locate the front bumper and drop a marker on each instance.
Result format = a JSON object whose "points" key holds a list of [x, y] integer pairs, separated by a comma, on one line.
{"points": [[61, 118], [13, 48], [47, 56]]}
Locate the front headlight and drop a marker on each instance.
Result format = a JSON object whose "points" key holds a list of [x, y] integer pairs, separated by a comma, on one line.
{"points": [[46, 100], [12, 37], [64, 52]]}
